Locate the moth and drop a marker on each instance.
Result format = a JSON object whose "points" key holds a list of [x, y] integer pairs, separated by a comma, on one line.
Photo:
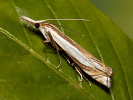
{"points": [[83, 61]]}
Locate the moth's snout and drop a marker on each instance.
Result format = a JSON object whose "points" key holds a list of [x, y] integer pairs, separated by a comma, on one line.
{"points": [[32, 22]]}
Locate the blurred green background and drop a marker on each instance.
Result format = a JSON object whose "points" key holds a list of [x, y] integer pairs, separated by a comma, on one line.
{"points": [[120, 11]]}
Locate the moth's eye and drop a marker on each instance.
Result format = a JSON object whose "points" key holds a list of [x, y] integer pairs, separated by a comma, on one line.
{"points": [[37, 25]]}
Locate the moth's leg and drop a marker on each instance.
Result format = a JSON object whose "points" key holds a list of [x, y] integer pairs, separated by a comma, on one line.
{"points": [[82, 75], [59, 59], [45, 43], [66, 58], [87, 80], [56, 47], [73, 64], [79, 72]]}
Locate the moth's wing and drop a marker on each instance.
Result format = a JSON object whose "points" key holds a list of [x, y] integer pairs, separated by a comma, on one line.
{"points": [[98, 64]]}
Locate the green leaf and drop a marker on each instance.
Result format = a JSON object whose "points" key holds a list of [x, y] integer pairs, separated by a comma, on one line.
{"points": [[28, 68]]}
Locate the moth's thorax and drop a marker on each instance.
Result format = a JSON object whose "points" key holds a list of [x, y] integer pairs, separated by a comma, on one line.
{"points": [[47, 28], [44, 32], [44, 29]]}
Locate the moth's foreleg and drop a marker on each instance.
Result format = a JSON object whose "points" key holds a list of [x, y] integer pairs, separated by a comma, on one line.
{"points": [[46, 44], [46, 41], [56, 47]]}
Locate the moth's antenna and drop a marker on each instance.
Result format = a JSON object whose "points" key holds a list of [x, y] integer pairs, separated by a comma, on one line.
{"points": [[69, 19], [67, 29]]}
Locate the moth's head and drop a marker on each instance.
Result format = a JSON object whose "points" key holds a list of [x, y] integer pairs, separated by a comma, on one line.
{"points": [[34, 23]]}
